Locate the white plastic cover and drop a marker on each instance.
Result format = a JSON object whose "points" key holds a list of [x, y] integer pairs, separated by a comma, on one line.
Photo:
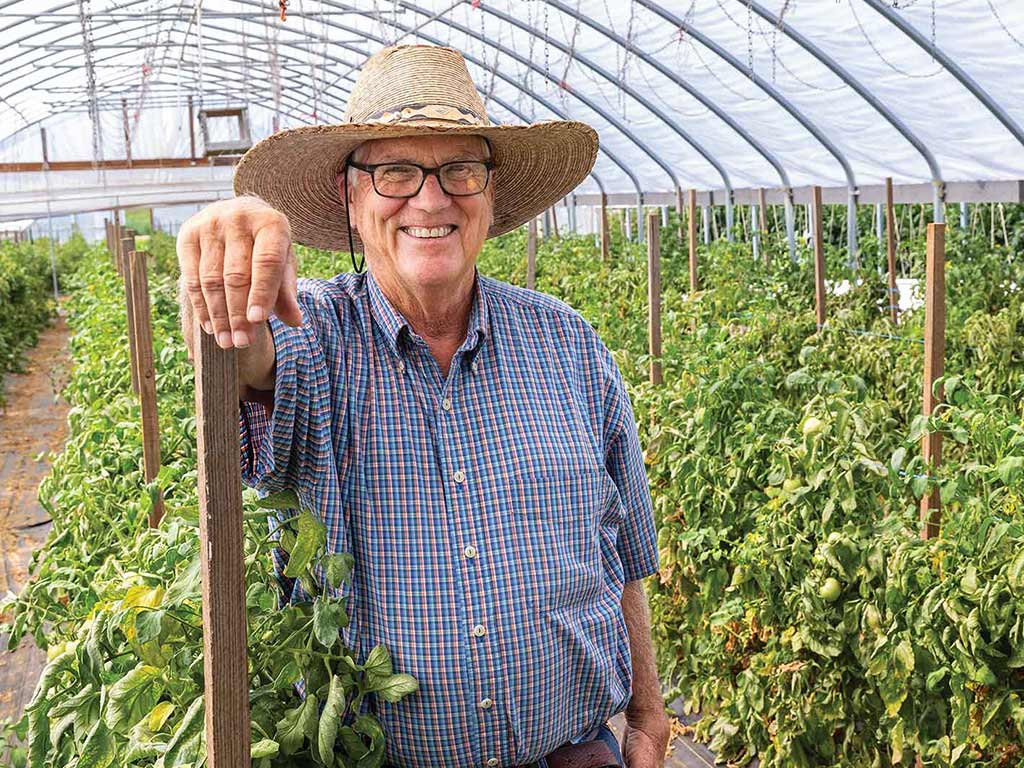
{"points": [[154, 53]]}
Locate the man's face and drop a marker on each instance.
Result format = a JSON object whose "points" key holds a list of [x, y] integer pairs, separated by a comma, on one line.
{"points": [[408, 257]]}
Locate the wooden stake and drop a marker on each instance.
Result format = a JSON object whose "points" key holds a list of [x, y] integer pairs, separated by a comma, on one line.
{"points": [[143, 332], [763, 208], [819, 260], [191, 130], [605, 232], [934, 365], [1002, 220], [554, 221], [694, 286], [127, 246], [222, 552], [531, 254], [679, 210], [127, 131], [890, 237], [654, 294]]}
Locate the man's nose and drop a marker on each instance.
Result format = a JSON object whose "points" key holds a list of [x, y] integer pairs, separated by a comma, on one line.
{"points": [[431, 196]]}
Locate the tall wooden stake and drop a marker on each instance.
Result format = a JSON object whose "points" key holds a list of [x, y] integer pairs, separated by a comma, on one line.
{"points": [[531, 254], [654, 294], [694, 286], [605, 233], [890, 238], [127, 246], [819, 260], [934, 365], [554, 221], [222, 556], [143, 333], [679, 210]]}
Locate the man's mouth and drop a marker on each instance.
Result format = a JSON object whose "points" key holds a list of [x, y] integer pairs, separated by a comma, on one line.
{"points": [[427, 233]]}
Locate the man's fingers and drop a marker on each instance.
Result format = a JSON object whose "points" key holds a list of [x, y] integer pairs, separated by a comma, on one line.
{"points": [[187, 247], [211, 279], [269, 255], [287, 306], [237, 276]]}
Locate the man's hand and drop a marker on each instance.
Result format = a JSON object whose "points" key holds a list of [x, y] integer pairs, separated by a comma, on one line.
{"points": [[645, 740], [236, 266]]}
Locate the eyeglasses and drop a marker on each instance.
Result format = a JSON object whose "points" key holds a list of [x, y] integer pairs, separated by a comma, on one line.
{"points": [[459, 178]]}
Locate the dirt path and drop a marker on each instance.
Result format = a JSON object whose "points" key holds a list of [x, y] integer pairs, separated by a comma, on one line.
{"points": [[34, 421]]}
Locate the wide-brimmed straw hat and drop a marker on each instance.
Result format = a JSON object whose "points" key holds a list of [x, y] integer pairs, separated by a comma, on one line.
{"points": [[413, 90]]}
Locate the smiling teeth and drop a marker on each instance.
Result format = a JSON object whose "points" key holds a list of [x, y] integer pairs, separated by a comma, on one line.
{"points": [[431, 232]]}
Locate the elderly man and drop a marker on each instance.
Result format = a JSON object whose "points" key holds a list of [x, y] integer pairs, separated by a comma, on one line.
{"points": [[471, 443]]}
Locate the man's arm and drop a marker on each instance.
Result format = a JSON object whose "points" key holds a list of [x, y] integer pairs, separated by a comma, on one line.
{"points": [[647, 727]]}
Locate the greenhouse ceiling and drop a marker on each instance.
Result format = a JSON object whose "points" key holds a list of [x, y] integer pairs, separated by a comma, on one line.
{"points": [[100, 100]]}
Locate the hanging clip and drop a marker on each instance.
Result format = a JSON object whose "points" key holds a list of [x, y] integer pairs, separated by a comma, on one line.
{"points": [[284, 8]]}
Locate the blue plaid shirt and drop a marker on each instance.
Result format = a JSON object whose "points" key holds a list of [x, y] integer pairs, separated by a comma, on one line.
{"points": [[494, 515]]}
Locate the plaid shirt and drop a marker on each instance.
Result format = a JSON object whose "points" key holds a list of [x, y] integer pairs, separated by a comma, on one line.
{"points": [[494, 515]]}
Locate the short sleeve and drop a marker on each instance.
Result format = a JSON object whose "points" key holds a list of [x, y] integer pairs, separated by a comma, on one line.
{"points": [[290, 444], [637, 543]]}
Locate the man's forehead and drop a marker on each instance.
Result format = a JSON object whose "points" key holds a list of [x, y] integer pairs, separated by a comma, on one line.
{"points": [[416, 147]]}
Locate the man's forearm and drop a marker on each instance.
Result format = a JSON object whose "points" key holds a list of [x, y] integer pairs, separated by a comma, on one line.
{"points": [[647, 697]]}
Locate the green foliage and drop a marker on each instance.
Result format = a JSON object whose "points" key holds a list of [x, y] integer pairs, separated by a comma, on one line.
{"points": [[117, 605]]}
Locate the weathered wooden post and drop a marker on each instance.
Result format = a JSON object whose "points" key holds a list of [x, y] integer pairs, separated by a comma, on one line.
{"points": [[819, 259], [554, 221], [890, 237], [654, 294], [679, 210], [694, 286], [222, 556], [142, 330], [127, 245], [934, 365], [605, 233], [531, 254]]}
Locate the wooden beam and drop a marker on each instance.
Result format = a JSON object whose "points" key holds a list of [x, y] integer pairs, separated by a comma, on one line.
{"points": [[143, 333], [934, 366], [654, 294], [88, 165], [531, 254], [890, 238], [127, 132], [819, 259], [191, 129], [222, 555], [694, 284]]}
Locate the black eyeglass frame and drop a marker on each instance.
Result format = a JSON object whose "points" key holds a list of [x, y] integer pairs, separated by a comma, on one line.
{"points": [[436, 171]]}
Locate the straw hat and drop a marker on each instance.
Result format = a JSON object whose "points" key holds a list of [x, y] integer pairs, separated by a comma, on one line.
{"points": [[413, 90]]}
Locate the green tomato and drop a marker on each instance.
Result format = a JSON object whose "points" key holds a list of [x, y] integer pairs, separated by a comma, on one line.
{"points": [[813, 426], [790, 484], [739, 576], [874, 618], [830, 589]]}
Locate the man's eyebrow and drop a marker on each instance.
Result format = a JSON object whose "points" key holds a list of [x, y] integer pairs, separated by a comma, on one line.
{"points": [[401, 159]]}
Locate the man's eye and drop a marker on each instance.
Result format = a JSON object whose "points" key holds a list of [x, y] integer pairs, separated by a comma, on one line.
{"points": [[459, 171], [396, 173]]}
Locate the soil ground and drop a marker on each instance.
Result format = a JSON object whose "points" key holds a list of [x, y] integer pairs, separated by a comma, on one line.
{"points": [[33, 422]]}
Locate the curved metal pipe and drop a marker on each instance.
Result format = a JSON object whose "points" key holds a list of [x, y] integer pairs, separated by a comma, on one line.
{"points": [[850, 80]]}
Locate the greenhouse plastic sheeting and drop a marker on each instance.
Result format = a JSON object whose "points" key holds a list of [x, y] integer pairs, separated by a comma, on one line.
{"points": [[785, 101]]}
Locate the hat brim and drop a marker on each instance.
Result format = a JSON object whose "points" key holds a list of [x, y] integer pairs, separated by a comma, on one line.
{"points": [[296, 171]]}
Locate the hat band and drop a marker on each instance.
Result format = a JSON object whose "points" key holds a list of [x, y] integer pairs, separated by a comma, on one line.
{"points": [[416, 112]]}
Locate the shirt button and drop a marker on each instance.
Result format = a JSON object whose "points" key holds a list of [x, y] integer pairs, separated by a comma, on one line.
{"points": [[469, 552], [400, 366], [479, 630], [459, 476], [486, 704], [446, 404], [492, 762]]}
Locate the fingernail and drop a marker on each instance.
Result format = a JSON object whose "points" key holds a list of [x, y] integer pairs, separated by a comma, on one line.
{"points": [[207, 326], [224, 339], [241, 339], [256, 314]]}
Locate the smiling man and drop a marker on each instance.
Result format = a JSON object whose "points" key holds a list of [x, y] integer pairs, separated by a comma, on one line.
{"points": [[471, 443]]}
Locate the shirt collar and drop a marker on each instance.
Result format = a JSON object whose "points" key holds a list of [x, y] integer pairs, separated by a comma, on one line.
{"points": [[394, 324]]}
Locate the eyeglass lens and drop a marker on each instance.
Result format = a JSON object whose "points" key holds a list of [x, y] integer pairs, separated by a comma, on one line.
{"points": [[400, 180]]}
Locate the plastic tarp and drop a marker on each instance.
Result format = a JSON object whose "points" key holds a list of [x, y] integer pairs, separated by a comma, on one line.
{"points": [[535, 60]]}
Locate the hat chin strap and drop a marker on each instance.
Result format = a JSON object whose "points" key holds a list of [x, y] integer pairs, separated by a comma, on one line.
{"points": [[348, 221]]}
